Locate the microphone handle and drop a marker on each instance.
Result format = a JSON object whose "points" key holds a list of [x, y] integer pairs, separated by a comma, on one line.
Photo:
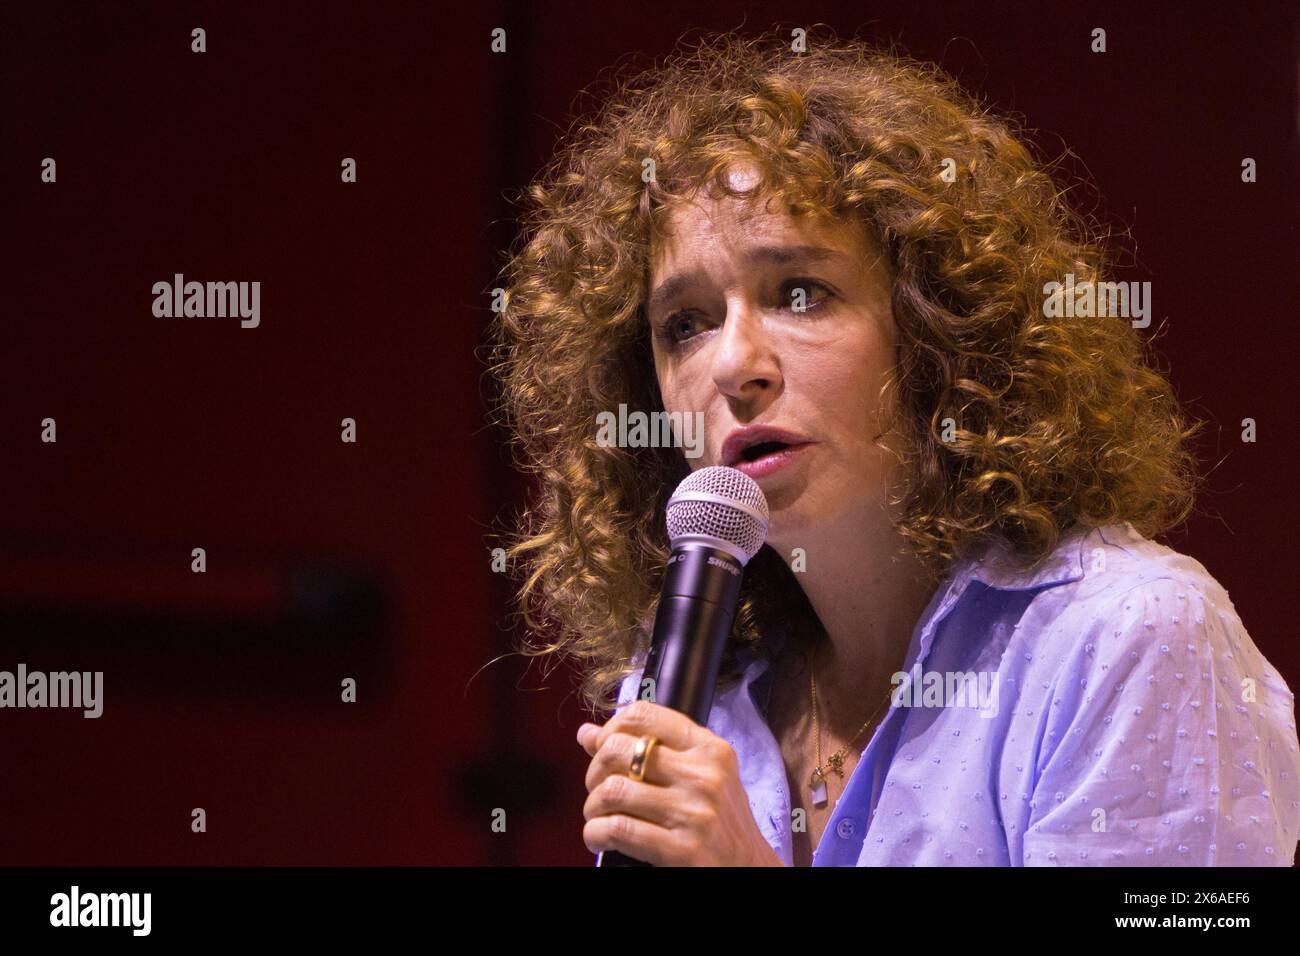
{"points": [[696, 607]]}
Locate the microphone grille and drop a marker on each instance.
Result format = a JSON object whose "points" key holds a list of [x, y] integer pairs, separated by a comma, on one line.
{"points": [[721, 503]]}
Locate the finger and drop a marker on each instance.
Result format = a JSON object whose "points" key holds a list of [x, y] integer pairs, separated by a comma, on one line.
{"points": [[636, 838], [634, 798], [615, 758], [642, 717], [587, 738]]}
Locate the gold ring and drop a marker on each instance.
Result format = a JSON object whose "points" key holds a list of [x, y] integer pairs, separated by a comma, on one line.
{"points": [[641, 757]]}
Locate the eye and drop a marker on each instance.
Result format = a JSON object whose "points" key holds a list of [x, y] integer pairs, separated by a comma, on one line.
{"points": [[675, 330], [677, 323], [809, 285]]}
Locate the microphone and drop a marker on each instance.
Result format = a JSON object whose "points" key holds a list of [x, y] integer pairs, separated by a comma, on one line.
{"points": [[717, 521]]}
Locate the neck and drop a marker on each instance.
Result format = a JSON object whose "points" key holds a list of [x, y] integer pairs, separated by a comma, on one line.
{"points": [[868, 591]]}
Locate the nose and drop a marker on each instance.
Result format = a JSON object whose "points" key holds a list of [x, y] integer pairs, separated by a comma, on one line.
{"points": [[744, 363]]}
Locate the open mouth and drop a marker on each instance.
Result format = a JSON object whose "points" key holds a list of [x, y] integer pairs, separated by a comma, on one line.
{"points": [[755, 452]]}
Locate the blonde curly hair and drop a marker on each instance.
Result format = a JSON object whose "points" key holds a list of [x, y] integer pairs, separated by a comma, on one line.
{"points": [[1060, 422]]}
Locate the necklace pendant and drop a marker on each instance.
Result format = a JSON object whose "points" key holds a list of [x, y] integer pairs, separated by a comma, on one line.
{"points": [[837, 764], [818, 784]]}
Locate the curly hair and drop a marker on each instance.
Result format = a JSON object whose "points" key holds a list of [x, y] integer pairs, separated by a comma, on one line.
{"points": [[1059, 422]]}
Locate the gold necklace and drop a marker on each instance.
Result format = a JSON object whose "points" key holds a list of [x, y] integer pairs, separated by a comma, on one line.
{"points": [[817, 782]]}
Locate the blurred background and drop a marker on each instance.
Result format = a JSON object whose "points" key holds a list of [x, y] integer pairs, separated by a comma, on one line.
{"points": [[371, 560]]}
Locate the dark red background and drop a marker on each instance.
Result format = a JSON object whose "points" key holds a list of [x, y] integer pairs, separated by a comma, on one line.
{"points": [[194, 432]]}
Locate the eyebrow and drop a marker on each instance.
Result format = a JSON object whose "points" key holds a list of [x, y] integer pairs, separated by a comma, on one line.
{"points": [[673, 287]]}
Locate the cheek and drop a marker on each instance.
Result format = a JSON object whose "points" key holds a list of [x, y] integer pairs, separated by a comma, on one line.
{"points": [[664, 380], [681, 392], [844, 387], [849, 376], [668, 392]]}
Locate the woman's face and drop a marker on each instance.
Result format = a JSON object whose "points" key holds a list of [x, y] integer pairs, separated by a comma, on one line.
{"points": [[729, 342]]}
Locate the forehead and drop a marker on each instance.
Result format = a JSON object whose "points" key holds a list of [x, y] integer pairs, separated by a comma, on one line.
{"points": [[703, 226]]}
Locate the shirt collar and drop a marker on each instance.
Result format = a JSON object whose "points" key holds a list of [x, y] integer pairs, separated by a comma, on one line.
{"points": [[994, 566]]}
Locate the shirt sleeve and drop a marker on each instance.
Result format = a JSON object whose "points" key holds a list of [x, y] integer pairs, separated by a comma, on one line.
{"points": [[629, 689], [1170, 741]]}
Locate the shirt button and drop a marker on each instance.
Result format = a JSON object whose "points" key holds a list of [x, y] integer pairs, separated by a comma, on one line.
{"points": [[844, 829]]}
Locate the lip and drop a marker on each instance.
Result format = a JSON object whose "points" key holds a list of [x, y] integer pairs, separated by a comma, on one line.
{"points": [[742, 438], [771, 462]]}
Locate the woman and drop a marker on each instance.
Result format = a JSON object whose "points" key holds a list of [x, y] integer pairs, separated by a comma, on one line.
{"points": [[840, 247]]}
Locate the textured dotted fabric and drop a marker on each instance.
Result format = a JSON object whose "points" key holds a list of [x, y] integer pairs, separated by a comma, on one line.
{"points": [[1115, 712]]}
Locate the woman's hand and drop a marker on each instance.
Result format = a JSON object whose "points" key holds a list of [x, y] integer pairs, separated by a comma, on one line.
{"points": [[690, 810]]}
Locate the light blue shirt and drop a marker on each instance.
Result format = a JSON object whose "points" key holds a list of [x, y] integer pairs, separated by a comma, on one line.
{"points": [[1118, 714]]}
